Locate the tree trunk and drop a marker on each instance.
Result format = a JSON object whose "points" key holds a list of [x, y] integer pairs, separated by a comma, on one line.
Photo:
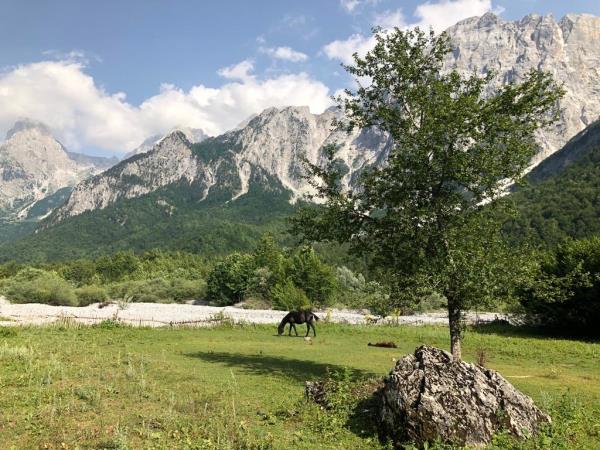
{"points": [[455, 325]]}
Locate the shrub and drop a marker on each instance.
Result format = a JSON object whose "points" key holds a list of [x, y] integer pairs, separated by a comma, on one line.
{"points": [[286, 296], [229, 279], [158, 290], [80, 273], [87, 295], [314, 277], [355, 292], [32, 285]]}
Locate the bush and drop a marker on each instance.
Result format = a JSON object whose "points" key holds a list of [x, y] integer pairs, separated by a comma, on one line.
{"points": [[229, 279], [158, 290], [564, 292], [32, 285], [355, 292], [90, 294], [287, 297], [311, 275]]}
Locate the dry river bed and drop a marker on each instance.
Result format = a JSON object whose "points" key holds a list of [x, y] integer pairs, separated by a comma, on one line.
{"points": [[169, 314]]}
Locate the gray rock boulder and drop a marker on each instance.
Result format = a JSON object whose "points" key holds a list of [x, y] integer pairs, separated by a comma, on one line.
{"points": [[430, 396]]}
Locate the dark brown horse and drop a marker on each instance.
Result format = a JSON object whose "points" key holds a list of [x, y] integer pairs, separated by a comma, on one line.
{"points": [[298, 317]]}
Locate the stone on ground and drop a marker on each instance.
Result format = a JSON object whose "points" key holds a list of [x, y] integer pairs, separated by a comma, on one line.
{"points": [[430, 396]]}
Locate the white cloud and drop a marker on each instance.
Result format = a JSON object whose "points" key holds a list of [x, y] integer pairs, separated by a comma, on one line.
{"points": [[439, 15], [82, 114], [390, 19], [352, 5], [349, 5], [344, 49], [445, 13], [239, 71], [285, 53]]}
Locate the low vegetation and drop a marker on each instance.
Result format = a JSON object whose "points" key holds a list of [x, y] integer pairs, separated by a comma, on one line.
{"points": [[110, 386]]}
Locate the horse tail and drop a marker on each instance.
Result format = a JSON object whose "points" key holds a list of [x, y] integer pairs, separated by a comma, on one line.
{"points": [[315, 316]]}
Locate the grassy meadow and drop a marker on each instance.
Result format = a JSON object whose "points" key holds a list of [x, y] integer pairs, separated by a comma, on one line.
{"points": [[70, 386]]}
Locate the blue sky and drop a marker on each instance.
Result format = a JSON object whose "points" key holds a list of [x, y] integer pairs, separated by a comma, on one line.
{"points": [[105, 74]]}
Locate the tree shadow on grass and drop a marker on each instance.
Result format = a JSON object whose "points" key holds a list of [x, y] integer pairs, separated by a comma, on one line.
{"points": [[298, 369]]}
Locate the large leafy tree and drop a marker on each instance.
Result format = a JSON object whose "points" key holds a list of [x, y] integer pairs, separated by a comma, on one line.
{"points": [[457, 141]]}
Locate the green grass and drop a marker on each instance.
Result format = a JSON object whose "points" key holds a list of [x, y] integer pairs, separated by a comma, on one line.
{"points": [[242, 387]]}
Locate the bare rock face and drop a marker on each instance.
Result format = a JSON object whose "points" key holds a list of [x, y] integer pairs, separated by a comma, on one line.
{"points": [[33, 165], [430, 396], [567, 48]]}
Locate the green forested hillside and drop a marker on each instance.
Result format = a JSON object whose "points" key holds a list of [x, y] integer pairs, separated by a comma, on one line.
{"points": [[562, 197], [170, 218]]}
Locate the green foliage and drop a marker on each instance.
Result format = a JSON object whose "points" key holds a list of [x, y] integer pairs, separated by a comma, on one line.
{"points": [[32, 285], [87, 295], [157, 290], [80, 272], [309, 274], [229, 279], [562, 198], [288, 297], [564, 292], [154, 276], [269, 273], [421, 215], [355, 292], [117, 266], [175, 217]]}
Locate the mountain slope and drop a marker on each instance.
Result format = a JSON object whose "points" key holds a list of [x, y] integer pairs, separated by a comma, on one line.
{"points": [[562, 198], [172, 217], [194, 135]]}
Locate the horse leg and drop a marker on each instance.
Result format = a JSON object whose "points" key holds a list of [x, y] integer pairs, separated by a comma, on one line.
{"points": [[307, 328], [314, 329], [295, 330], [291, 325]]}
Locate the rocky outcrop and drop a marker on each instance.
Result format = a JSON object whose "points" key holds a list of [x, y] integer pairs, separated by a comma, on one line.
{"points": [[193, 135], [429, 396], [567, 48]]}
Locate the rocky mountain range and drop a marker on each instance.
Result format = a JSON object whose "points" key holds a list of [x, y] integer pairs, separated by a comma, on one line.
{"points": [[34, 165], [275, 142], [269, 148]]}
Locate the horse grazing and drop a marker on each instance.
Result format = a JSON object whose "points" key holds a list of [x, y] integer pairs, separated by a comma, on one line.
{"points": [[298, 317]]}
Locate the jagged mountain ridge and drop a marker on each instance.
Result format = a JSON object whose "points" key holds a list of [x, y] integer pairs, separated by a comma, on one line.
{"points": [[270, 148], [34, 165], [194, 135]]}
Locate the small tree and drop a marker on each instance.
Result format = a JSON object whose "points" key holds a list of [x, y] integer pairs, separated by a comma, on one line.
{"points": [[456, 143]]}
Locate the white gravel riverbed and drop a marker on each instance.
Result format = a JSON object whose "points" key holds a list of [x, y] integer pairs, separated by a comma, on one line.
{"points": [[161, 314]]}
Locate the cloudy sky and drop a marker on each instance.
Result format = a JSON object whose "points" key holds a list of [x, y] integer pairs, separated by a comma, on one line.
{"points": [[104, 75]]}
